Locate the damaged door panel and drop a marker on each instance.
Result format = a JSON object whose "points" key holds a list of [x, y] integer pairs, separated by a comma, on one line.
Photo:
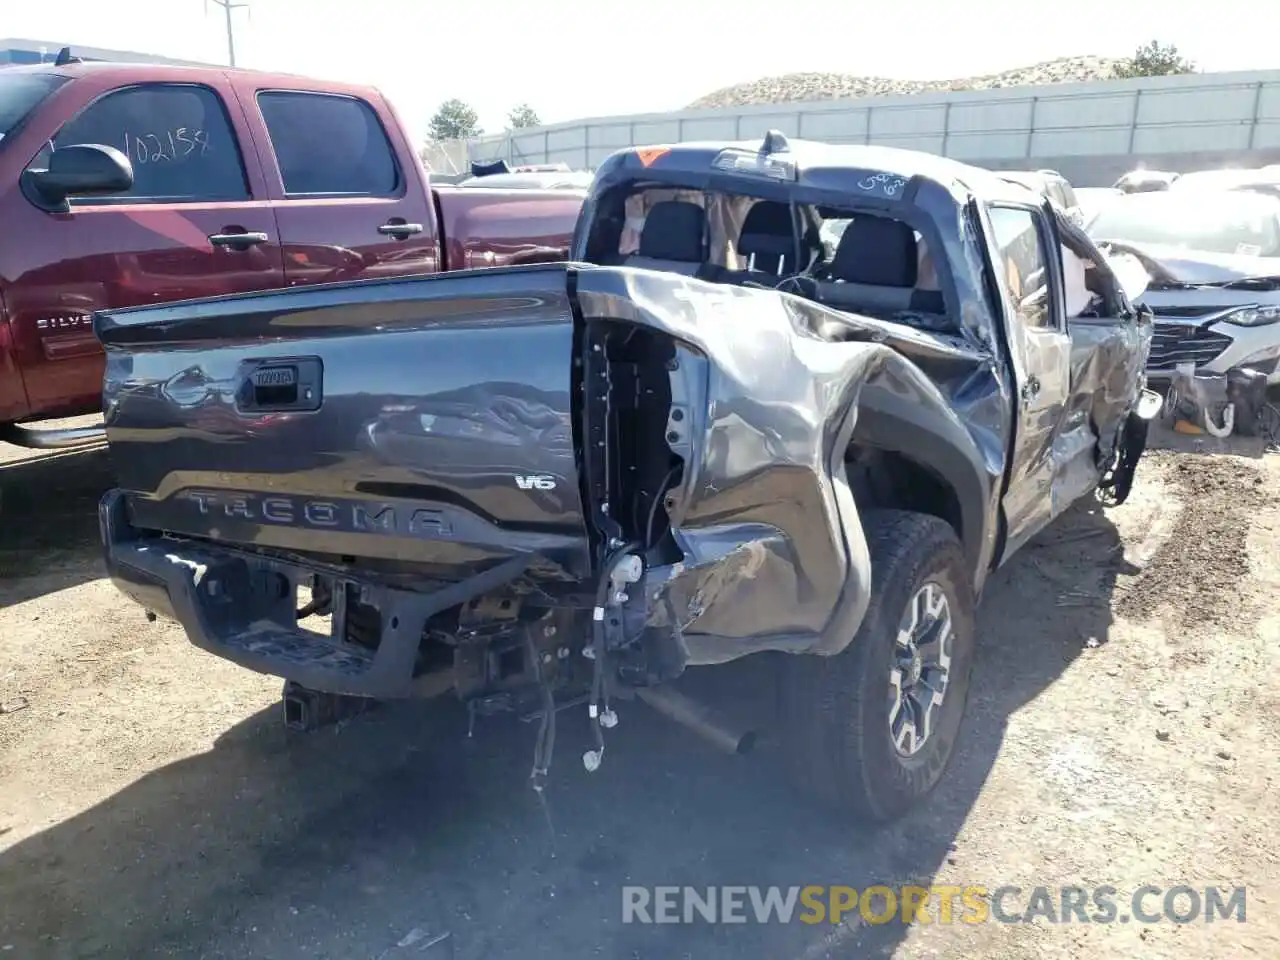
{"points": [[788, 400], [1041, 352]]}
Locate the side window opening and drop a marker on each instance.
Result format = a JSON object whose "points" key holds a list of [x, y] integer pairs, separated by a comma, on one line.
{"points": [[1024, 264], [1090, 285], [177, 137], [327, 145]]}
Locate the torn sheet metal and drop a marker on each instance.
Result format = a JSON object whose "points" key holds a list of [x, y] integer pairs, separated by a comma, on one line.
{"points": [[1108, 355], [773, 554]]}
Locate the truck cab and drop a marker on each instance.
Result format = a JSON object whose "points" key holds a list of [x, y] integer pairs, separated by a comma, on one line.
{"points": [[927, 248], [125, 185]]}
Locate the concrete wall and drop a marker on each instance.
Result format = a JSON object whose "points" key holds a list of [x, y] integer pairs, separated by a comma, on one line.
{"points": [[19, 51], [1091, 132]]}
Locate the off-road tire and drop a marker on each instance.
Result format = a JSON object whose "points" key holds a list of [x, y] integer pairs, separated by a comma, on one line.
{"points": [[835, 710]]}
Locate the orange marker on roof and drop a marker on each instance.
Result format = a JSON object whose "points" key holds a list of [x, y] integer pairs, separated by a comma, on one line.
{"points": [[649, 154]]}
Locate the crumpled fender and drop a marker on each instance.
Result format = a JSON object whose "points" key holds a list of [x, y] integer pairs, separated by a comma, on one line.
{"points": [[774, 553], [916, 422]]}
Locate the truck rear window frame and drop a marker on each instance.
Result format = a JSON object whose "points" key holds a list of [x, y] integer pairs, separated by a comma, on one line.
{"points": [[1049, 246], [398, 188]]}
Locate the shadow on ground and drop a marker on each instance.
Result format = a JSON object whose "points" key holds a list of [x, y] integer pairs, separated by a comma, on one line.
{"points": [[341, 844], [49, 522]]}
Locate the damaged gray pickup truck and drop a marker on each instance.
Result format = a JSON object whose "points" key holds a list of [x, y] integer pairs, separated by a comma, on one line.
{"points": [[788, 399]]}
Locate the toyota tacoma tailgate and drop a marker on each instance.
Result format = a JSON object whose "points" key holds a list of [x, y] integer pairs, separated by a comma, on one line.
{"points": [[422, 420]]}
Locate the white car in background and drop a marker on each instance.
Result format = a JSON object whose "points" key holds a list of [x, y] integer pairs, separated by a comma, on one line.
{"points": [[1214, 261], [1145, 181], [1264, 180], [1093, 199]]}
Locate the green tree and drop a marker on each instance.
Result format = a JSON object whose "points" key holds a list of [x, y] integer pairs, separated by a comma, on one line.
{"points": [[523, 115], [455, 120], [1154, 60]]}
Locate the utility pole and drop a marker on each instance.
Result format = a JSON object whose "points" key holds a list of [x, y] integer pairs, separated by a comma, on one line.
{"points": [[227, 6]]}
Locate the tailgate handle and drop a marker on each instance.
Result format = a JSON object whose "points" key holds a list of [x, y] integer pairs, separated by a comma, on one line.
{"points": [[281, 385]]}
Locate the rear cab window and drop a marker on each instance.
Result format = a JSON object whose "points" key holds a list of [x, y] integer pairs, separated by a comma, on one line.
{"points": [[329, 145], [859, 261], [177, 137]]}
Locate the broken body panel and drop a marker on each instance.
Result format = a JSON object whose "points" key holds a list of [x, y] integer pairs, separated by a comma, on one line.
{"points": [[469, 456]]}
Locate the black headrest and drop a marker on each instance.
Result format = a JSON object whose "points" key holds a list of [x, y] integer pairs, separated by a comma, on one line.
{"points": [[769, 217], [877, 252], [767, 229], [673, 231]]}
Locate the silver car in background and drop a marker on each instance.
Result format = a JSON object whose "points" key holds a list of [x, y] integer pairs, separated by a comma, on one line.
{"points": [[1146, 181], [1264, 180], [1214, 261]]}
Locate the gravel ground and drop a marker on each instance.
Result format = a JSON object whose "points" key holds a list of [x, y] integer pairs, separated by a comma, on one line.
{"points": [[1122, 731]]}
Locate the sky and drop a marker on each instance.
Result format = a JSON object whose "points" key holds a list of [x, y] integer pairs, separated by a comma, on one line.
{"points": [[593, 58]]}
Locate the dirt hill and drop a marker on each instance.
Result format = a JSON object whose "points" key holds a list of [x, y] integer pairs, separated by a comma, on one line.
{"points": [[802, 87]]}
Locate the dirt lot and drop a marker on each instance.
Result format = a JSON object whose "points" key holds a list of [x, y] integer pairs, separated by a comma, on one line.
{"points": [[1122, 731]]}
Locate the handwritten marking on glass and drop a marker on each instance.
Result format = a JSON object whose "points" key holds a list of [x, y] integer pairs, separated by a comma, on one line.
{"points": [[887, 183], [166, 145]]}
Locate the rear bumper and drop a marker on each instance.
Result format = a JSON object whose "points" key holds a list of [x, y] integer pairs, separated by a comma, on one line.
{"points": [[242, 608]]}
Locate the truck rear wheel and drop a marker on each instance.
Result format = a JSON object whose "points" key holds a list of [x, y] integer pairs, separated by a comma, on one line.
{"points": [[869, 732]]}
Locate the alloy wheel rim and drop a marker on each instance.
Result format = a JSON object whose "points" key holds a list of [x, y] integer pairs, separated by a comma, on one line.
{"points": [[921, 669]]}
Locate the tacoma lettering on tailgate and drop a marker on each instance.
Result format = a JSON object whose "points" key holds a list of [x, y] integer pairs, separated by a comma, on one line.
{"points": [[343, 515]]}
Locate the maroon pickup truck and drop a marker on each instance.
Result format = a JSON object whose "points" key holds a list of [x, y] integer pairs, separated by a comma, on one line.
{"points": [[127, 184]]}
